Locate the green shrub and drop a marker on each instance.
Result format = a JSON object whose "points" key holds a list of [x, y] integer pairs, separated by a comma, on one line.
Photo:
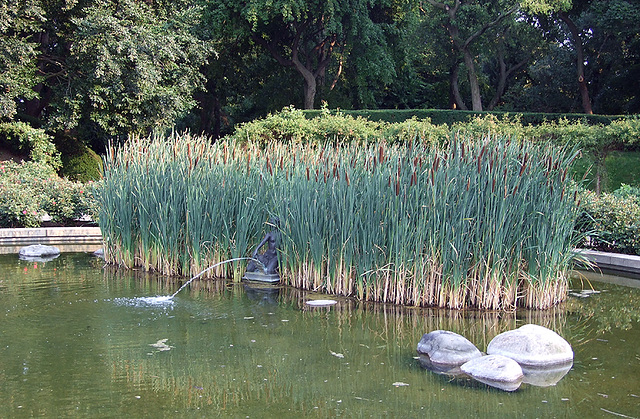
{"points": [[599, 137], [611, 222], [291, 125], [79, 162], [416, 130], [20, 137], [30, 190], [82, 167], [628, 192]]}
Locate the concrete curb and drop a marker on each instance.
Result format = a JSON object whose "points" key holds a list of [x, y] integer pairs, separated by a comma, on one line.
{"points": [[613, 261], [68, 239]]}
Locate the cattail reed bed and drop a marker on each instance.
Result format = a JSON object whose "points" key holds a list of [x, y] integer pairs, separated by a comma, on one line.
{"points": [[476, 222]]}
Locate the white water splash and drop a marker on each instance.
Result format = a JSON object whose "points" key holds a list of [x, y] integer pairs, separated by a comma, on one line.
{"points": [[157, 301]]}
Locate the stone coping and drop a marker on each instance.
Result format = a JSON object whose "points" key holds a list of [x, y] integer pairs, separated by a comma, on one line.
{"points": [[68, 239], [617, 262]]}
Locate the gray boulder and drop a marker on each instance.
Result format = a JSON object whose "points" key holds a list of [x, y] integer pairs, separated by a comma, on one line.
{"points": [[39, 252], [443, 351], [496, 371], [532, 345]]}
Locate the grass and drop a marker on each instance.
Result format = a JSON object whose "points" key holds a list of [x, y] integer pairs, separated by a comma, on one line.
{"points": [[476, 222]]}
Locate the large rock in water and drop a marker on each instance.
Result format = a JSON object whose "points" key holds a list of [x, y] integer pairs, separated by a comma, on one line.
{"points": [[532, 345], [38, 252], [443, 351], [496, 371]]}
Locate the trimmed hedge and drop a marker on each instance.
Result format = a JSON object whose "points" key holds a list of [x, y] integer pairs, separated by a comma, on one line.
{"points": [[618, 133], [79, 162], [596, 139], [450, 117]]}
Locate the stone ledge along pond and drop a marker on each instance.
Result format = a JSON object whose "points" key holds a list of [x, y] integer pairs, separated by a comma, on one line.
{"points": [[81, 339]]}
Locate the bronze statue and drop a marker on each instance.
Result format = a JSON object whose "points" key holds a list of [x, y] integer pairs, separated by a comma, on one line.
{"points": [[269, 259]]}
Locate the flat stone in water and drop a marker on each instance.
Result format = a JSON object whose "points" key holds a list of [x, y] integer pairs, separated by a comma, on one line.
{"points": [[39, 253], [446, 349], [496, 371], [320, 303], [532, 345]]}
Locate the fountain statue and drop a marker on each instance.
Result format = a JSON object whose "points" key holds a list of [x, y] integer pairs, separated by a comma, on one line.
{"points": [[264, 267]]}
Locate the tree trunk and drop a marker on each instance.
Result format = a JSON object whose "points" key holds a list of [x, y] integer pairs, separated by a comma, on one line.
{"points": [[309, 93], [502, 80], [582, 82], [476, 99], [310, 81], [455, 99]]}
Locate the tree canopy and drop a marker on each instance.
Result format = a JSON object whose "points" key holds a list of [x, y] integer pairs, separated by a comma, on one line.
{"points": [[101, 69]]}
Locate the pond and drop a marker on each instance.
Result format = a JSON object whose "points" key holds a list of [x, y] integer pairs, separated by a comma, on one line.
{"points": [[80, 339]]}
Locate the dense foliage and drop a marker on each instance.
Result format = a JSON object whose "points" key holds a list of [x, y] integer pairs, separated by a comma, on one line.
{"points": [[32, 143], [611, 222], [104, 69]]}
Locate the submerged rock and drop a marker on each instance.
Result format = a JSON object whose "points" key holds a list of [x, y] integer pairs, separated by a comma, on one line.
{"points": [[532, 345], [496, 371], [39, 252], [99, 253], [443, 351]]}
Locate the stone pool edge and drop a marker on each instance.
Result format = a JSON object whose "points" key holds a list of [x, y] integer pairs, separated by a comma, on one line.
{"points": [[613, 261], [68, 239]]}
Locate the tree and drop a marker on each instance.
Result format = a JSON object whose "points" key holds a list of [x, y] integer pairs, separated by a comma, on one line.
{"points": [[579, 48], [307, 35], [613, 54], [466, 23], [18, 53], [130, 68]]}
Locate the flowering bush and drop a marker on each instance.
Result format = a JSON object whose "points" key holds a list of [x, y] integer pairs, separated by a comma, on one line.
{"points": [[29, 191]]}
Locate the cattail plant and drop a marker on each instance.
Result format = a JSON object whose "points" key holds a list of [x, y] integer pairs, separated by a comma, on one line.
{"points": [[476, 222]]}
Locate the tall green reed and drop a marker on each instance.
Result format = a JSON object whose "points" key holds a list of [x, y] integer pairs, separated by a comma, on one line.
{"points": [[481, 222]]}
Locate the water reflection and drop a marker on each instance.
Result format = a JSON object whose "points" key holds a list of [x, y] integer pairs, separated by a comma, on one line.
{"points": [[545, 376], [89, 341]]}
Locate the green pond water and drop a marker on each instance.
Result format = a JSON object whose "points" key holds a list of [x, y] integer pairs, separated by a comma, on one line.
{"points": [[79, 339]]}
